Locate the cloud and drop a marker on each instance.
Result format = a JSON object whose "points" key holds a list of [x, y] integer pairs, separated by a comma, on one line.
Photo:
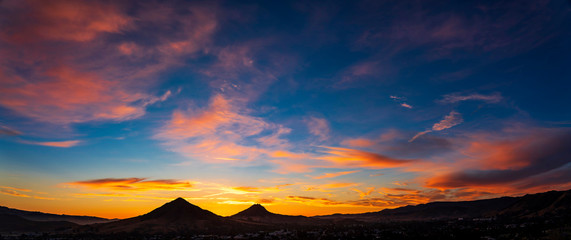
{"points": [[73, 62], [366, 193], [13, 193], [456, 97], [332, 175], [60, 144], [17, 192], [406, 105], [4, 130], [318, 127], [451, 120], [358, 142], [506, 163], [217, 133], [401, 101], [134, 184], [345, 157]]}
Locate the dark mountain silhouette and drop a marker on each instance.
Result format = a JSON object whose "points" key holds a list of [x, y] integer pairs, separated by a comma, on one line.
{"points": [[40, 216], [531, 205], [256, 210], [13, 223], [175, 216], [260, 215], [539, 205]]}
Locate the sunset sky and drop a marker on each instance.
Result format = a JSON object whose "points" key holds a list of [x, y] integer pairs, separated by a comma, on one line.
{"points": [[112, 108]]}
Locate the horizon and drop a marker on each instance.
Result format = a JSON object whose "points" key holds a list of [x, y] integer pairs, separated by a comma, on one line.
{"points": [[255, 204], [109, 108]]}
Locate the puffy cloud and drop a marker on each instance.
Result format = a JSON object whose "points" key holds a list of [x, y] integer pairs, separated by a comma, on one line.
{"points": [[217, 132]]}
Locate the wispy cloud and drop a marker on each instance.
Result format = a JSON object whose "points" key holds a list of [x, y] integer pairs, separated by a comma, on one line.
{"points": [[318, 127], [332, 175], [217, 133], [401, 101], [345, 157], [133, 184], [457, 97], [451, 120], [60, 144], [75, 73], [4, 130]]}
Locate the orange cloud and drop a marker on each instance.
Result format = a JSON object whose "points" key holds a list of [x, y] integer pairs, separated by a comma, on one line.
{"points": [[215, 133], [134, 184], [61, 144], [332, 175], [507, 165], [356, 158], [13, 193], [363, 194]]}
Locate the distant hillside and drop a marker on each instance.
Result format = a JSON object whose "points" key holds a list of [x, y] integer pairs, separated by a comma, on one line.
{"points": [[531, 205], [40, 216], [258, 214], [13, 223]]}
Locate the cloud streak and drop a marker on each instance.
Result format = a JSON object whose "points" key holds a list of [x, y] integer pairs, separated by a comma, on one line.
{"points": [[60, 144], [456, 97], [450, 120], [133, 184]]}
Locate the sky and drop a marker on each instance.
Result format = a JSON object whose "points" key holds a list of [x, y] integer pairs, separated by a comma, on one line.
{"points": [[113, 108]]}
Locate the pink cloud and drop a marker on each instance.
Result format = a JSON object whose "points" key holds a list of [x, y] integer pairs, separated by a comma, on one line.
{"points": [[71, 72], [358, 142], [450, 120], [60, 144], [455, 97], [216, 133], [318, 127]]}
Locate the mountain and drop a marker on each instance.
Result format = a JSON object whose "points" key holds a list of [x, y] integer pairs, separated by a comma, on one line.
{"points": [[13, 223], [531, 205], [175, 216], [259, 215], [42, 217]]}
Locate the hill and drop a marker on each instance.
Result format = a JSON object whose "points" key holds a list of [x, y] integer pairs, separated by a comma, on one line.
{"points": [[13, 223], [260, 215], [175, 216], [43, 217]]}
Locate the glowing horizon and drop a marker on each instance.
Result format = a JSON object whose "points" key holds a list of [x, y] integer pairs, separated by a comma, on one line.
{"points": [[111, 109]]}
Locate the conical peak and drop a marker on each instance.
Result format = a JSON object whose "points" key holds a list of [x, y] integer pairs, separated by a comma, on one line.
{"points": [[180, 209], [257, 206], [254, 210]]}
